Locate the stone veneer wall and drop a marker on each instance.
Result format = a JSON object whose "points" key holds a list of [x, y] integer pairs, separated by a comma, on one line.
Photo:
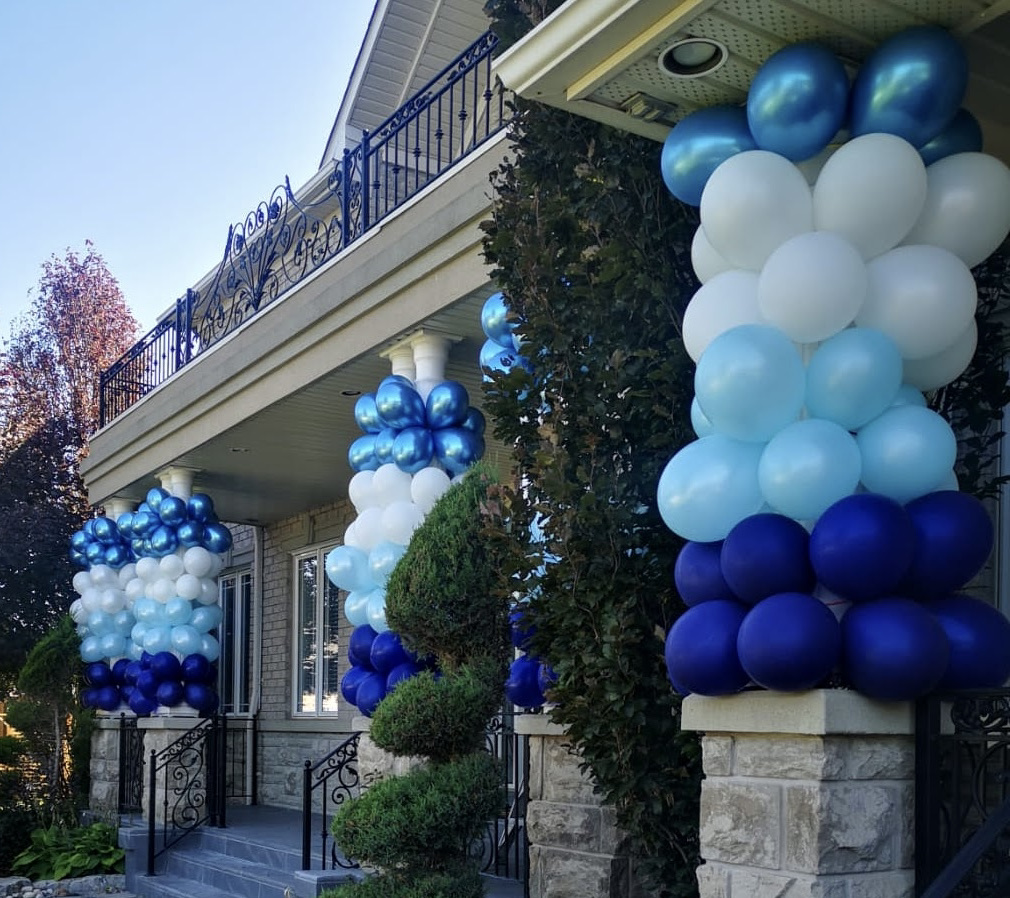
{"points": [[104, 770], [806, 796]]}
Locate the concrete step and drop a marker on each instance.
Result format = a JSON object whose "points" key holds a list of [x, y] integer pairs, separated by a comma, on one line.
{"points": [[166, 886], [232, 875]]}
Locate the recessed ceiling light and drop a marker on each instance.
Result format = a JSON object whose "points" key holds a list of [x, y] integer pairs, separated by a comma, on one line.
{"points": [[692, 57], [350, 392], [238, 449]]}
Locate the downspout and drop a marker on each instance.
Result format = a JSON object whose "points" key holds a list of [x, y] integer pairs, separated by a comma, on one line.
{"points": [[256, 697]]}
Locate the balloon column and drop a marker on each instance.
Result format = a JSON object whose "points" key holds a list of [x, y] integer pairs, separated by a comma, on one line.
{"points": [[838, 229], [148, 605], [529, 678]]}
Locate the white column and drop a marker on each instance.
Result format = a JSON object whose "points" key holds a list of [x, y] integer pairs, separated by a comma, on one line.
{"points": [[117, 506], [177, 480], [401, 361], [431, 352]]}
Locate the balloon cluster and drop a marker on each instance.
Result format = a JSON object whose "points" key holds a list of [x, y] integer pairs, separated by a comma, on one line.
{"points": [[378, 662], [411, 433], [823, 314], [500, 351], [163, 605], [529, 678]]}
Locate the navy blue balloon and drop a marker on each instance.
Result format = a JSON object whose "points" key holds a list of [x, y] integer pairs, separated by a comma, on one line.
{"points": [[216, 538], [701, 654], [413, 449], [359, 648], [349, 683], [383, 445], [200, 507], [366, 415], [474, 421], [107, 698], [197, 669], [89, 696], [447, 404], [119, 671], [546, 678], [456, 449], [166, 666], [142, 705], [697, 573], [371, 690], [953, 540], [399, 405], [797, 101], [494, 320], [132, 672], [170, 693], [767, 554], [978, 634], [893, 649], [200, 696], [387, 652], [401, 672], [789, 642], [698, 144], [361, 454], [522, 630], [173, 511], [522, 687], [962, 135], [911, 85], [862, 546], [98, 674]]}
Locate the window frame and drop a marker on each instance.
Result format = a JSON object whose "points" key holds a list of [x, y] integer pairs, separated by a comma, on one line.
{"points": [[240, 661], [317, 553]]}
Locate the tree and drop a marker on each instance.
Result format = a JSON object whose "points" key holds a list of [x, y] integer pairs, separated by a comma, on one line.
{"points": [[50, 368]]}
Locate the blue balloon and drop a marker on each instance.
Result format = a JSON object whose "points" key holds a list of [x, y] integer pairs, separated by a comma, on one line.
{"points": [[456, 449], [100, 623], [697, 574], [216, 538], [387, 652], [197, 669], [962, 135], [911, 85], [98, 673], [401, 672], [366, 415], [376, 610], [95, 553], [853, 377], [382, 559], [488, 352], [503, 362], [200, 507], [346, 567], [79, 558], [119, 671], [494, 321], [206, 618], [117, 556], [350, 682], [145, 523], [141, 705], [978, 635], [862, 546], [789, 642], [356, 607], [709, 486], [767, 554], [413, 449], [201, 697], [546, 678], [359, 648], [371, 690], [701, 654], [909, 395], [170, 693], [750, 382], [105, 531], [147, 684], [79, 541], [396, 379], [154, 497], [383, 446], [166, 666], [172, 511], [522, 630], [107, 698], [190, 533], [164, 541], [953, 540], [131, 673], [699, 420], [447, 405], [158, 639], [797, 101], [893, 649], [186, 639], [522, 687], [399, 405], [474, 421], [361, 454], [698, 144]]}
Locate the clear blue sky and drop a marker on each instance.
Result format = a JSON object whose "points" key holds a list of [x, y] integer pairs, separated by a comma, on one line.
{"points": [[149, 126]]}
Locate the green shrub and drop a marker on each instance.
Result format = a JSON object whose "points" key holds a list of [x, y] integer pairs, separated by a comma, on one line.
{"points": [[16, 824], [439, 717], [12, 749], [464, 882], [58, 853]]}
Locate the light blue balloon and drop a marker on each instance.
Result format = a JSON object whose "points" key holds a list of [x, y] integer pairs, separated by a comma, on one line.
{"points": [[853, 376], [111, 645], [798, 100], [750, 382], [178, 611], [147, 611], [413, 449], [210, 648], [709, 486], [698, 144], [911, 85], [134, 651], [909, 395], [206, 617], [376, 610], [962, 135], [907, 452], [382, 559], [699, 420], [494, 321], [186, 640], [91, 649], [356, 608], [137, 633], [99, 623], [807, 467], [123, 622], [158, 639], [347, 568]]}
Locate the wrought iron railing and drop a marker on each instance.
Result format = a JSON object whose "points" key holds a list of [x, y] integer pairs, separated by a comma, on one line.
{"points": [[131, 766], [334, 779], [962, 795], [286, 238]]}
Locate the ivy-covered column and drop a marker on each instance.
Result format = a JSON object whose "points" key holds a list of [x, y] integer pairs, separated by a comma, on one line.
{"points": [[806, 794]]}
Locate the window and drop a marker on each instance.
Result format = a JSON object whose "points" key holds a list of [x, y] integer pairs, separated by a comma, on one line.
{"points": [[234, 668], [317, 622]]}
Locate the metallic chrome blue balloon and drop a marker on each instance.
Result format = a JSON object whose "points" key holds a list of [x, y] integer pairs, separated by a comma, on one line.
{"points": [[384, 440], [154, 497], [698, 144], [504, 361], [522, 687], [962, 135], [216, 538], [79, 541], [89, 528], [474, 421], [144, 523], [413, 449], [361, 455], [95, 553], [200, 507], [117, 556], [797, 101], [456, 449], [125, 524], [79, 558], [190, 534], [396, 379], [366, 415], [910, 86], [488, 351], [164, 541], [447, 404], [172, 511], [105, 531], [399, 404], [494, 321]]}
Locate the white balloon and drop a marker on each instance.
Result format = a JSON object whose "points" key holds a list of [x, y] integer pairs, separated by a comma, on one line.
{"points": [[351, 535], [104, 576], [427, 487], [78, 612], [360, 490], [368, 529], [135, 589], [967, 208], [705, 261], [188, 586], [82, 581], [126, 573], [209, 592], [938, 370], [197, 561], [812, 286], [161, 590], [399, 521], [172, 566], [871, 192], [922, 297], [148, 569], [390, 484], [726, 301], [216, 565], [111, 600], [91, 598], [752, 204]]}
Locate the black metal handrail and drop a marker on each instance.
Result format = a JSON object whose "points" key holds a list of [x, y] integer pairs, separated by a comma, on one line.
{"points": [[962, 794], [335, 778], [285, 238], [504, 849]]}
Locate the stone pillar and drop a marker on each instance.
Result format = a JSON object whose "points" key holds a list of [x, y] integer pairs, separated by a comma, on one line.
{"points": [[806, 795], [576, 850], [376, 763], [159, 733], [103, 799]]}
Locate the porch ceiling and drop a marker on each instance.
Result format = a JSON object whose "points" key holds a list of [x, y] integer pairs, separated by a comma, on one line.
{"points": [[599, 58]]}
